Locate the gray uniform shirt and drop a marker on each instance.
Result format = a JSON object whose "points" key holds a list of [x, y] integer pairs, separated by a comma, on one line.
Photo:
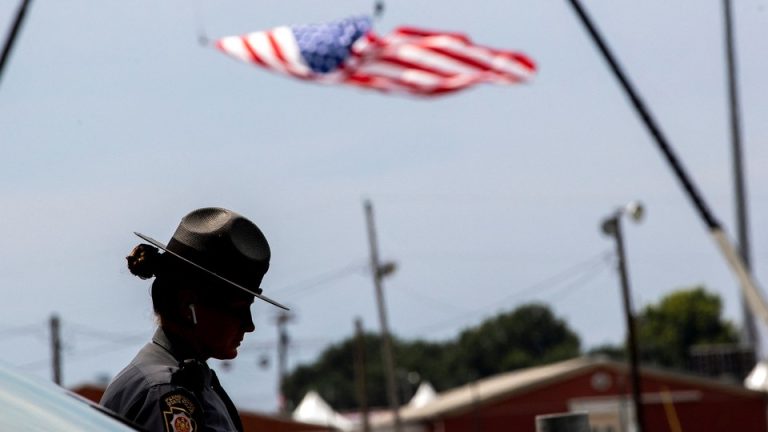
{"points": [[143, 393]]}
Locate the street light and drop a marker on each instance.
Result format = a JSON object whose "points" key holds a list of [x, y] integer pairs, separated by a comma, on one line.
{"points": [[611, 226]]}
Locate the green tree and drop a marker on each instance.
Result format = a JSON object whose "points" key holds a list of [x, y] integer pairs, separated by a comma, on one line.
{"points": [[666, 331], [528, 336]]}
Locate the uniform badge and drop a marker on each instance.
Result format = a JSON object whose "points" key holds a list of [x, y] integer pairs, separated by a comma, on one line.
{"points": [[181, 411]]}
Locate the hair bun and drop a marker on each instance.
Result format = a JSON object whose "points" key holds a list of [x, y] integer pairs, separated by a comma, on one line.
{"points": [[144, 261]]}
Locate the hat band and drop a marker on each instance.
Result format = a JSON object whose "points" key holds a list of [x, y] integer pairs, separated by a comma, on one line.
{"points": [[248, 274]]}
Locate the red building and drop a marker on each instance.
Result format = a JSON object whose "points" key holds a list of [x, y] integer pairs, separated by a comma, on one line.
{"points": [[672, 401]]}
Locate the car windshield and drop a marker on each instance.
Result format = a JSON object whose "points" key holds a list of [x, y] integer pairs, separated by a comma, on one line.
{"points": [[32, 404]]}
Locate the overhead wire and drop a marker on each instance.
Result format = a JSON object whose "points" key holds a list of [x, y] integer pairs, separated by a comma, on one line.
{"points": [[23, 330], [594, 265], [431, 299], [114, 342], [321, 279], [110, 336], [558, 295], [105, 348]]}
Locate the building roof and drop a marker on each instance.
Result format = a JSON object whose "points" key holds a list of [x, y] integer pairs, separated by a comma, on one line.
{"points": [[493, 388], [497, 387]]}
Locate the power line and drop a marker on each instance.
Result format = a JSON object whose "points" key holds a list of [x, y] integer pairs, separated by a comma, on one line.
{"points": [[592, 264], [432, 300], [114, 337], [106, 348], [25, 330], [564, 291], [321, 279]]}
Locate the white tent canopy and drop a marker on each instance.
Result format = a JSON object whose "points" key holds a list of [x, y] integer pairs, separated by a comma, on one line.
{"points": [[758, 378], [314, 409], [424, 395]]}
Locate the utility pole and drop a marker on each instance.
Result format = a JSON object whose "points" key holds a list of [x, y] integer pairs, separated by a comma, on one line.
{"points": [[378, 271], [360, 374], [612, 226], [56, 348], [749, 332], [283, 340]]}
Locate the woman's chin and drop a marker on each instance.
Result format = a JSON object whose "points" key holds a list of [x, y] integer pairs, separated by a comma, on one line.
{"points": [[226, 355]]}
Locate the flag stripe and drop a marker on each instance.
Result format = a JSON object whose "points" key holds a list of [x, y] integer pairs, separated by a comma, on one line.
{"points": [[461, 58], [405, 63], [276, 48], [259, 43], [421, 33], [254, 56]]}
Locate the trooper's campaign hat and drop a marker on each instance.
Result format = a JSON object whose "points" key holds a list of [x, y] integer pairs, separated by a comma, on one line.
{"points": [[223, 244]]}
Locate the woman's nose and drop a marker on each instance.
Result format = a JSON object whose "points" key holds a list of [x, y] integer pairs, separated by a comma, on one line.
{"points": [[248, 325]]}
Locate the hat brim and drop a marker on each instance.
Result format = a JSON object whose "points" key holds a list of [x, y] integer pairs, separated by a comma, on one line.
{"points": [[165, 248]]}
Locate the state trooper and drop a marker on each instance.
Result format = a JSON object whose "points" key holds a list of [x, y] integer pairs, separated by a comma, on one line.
{"points": [[206, 279]]}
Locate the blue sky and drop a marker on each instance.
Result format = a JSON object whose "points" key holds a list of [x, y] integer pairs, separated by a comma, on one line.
{"points": [[113, 119]]}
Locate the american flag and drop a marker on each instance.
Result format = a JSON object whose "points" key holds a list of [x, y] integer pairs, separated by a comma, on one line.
{"points": [[410, 60]]}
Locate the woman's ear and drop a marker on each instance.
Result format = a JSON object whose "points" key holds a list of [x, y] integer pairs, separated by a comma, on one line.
{"points": [[186, 307], [194, 314]]}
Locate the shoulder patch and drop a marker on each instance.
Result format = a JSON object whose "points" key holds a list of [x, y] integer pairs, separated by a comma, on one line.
{"points": [[181, 411]]}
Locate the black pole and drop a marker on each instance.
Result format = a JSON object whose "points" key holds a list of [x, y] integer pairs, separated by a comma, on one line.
{"points": [[12, 35], [650, 123], [56, 348], [742, 225]]}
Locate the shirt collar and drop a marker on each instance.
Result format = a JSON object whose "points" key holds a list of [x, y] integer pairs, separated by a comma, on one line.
{"points": [[173, 346], [161, 339]]}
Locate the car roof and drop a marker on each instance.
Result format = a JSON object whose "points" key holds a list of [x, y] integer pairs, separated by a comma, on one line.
{"points": [[31, 403]]}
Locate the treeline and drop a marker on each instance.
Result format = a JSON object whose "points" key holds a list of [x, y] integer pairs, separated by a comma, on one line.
{"points": [[530, 335], [666, 331]]}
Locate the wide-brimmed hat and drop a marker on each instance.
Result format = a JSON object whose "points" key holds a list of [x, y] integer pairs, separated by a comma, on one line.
{"points": [[223, 244]]}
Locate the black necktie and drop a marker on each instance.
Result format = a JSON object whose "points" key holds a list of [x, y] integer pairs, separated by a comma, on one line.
{"points": [[227, 401]]}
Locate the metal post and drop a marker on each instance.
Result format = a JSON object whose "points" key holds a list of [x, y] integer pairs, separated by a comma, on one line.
{"points": [[56, 348], [749, 332], [386, 344]]}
